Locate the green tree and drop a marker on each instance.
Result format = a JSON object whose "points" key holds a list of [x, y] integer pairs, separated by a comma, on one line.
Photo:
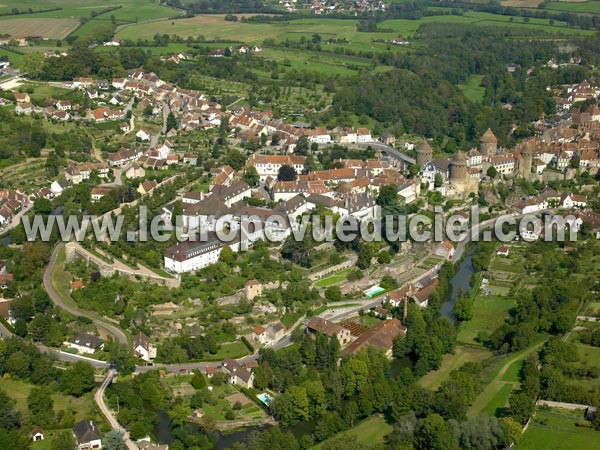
{"points": [[492, 172], [438, 180], [62, 440], [463, 309], [78, 379], [171, 121], [40, 405], [434, 434], [333, 294], [121, 355], [198, 381], [114, 440], [286, 173], [251, 176], [388, 196]]}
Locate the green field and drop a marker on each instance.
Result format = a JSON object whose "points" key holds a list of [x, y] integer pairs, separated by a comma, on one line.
{"points": [[473, 89], [592, 7], [214, 27], [489, 312], [501, 383], [557, 429], [334, 279], [451, 362], [130, 9], [84, 407], [369, 432]]}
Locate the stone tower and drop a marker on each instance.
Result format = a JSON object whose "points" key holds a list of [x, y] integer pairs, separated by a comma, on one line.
{"points": [[488, 143], [526, 161], [424, 153], [458, 170]]}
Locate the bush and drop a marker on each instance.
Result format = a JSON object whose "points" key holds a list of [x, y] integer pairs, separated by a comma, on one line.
{"points": [[248, 344], [198, 381]]}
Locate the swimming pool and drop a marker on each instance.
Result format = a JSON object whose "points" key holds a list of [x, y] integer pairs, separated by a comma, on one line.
{"points": [[263, 397], [374, 290]]}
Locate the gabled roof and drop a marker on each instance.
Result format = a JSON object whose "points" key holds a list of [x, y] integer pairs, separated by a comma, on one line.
{"points": [[86, 431]]}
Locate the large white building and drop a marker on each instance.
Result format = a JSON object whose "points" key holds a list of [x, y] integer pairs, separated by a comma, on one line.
{"points": [[269, 165]]}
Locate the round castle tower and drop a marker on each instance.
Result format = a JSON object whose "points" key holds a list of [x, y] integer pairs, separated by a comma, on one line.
{"points": [[458, 169], [424, 153], [488, 144]]}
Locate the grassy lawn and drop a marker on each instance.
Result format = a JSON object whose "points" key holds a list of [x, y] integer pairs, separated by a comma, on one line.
{"points": [[501, 384], [334, 279], [497, 403], [84, 407], [369, 432], [557, 429], [512, 373], [473, 89], [489, 312], [452, 362], [232, 350]]}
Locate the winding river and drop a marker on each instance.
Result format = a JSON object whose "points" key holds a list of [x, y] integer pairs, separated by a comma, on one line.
{"points": [[460, 283]]}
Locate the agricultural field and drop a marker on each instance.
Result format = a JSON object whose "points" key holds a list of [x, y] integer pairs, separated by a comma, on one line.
{"points": [[214, 27], [589, 7], [129, 11], [522, 3], [558, 429], [43, 27]]}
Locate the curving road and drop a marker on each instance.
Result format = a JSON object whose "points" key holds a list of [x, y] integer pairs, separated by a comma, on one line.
{"points": [[112, 420], [58, 301]]}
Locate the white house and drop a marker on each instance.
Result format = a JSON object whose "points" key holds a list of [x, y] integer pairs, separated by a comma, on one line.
{"points": [[86, 343], [320, 136], [142, 348], [59, 185], [573, 201], [363, 135], [144, 135], [37, 434]]}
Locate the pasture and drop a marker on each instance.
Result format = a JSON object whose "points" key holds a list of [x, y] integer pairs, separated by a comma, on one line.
{"points": [[558, 429], [45, 28]]}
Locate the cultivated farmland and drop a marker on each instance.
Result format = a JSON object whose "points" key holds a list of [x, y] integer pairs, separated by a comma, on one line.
{"points": [[45, 28]]}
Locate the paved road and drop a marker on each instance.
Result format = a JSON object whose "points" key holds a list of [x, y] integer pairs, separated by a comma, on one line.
{"points": [[384, 148], [99, 399], [111, 329]]}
